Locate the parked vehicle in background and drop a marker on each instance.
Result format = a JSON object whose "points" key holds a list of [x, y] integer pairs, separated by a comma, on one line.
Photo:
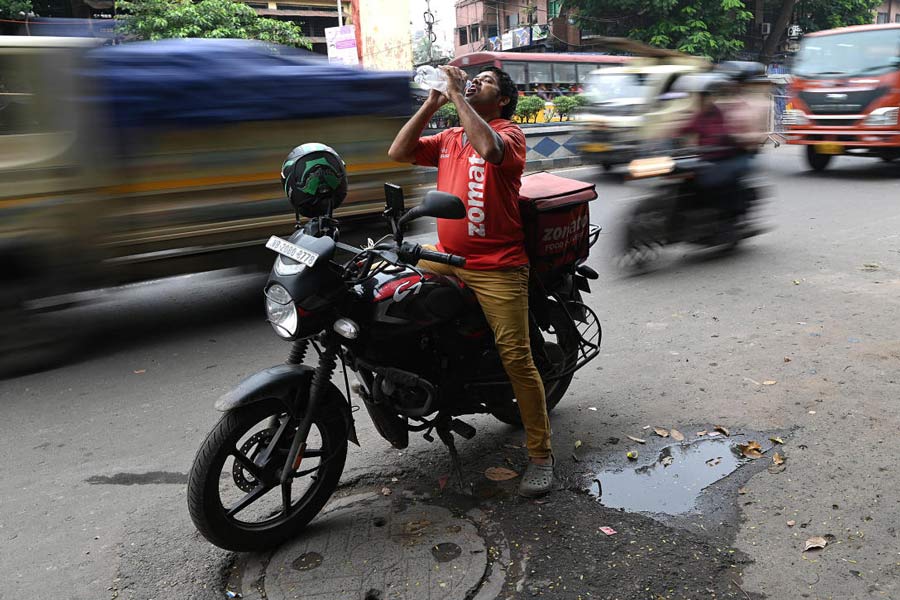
{"points": [[565, 72], [127, 163], [845, 93]]}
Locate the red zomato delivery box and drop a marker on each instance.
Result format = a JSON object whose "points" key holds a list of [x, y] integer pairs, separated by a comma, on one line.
{"points": [[556, 219]]}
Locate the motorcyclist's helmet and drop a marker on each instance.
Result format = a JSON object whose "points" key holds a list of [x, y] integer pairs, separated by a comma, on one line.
{"points": [[314, 177]]}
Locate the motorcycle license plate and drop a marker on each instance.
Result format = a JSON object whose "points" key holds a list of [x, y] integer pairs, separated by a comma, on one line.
{"points": [[829, 148], [292, 251], [596, 148]]}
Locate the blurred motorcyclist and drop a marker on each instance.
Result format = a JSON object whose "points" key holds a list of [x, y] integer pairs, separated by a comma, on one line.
{"points": [[728, 159]]}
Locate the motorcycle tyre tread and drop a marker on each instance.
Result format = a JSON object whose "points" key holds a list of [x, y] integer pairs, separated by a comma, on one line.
{"points": [[203, 503]]}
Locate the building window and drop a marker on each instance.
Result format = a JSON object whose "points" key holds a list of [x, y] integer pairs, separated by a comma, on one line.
{"points": [[474, 33], [897, 18], [512, 20], [882, 18], [463, 37], [553, 7], [492, 31]]}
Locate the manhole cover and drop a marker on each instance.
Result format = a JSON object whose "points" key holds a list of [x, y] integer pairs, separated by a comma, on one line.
{"points": [[378, 547]]}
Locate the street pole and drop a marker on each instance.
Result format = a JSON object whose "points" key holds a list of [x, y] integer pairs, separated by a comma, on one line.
{"points": [[340, 8]]}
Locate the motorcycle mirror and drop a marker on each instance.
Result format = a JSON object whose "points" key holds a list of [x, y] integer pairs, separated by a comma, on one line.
{"points": [[442, 205]]}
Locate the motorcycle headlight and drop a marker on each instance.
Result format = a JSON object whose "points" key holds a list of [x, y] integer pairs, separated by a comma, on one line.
{"points": [[285, 266], [883, 117], [280, 311]]}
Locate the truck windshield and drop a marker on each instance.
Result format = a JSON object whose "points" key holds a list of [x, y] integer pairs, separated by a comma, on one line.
{"points": [[849, 54], [608, 87]]}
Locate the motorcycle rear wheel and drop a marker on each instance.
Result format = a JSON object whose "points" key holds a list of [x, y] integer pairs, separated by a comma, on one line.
{"points": [[562, 349], [242, 435]]}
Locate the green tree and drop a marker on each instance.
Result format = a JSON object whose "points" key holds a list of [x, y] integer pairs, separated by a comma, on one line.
{"points": [[565, 105], [14, 9], [814, 15], [710, 28], [528, 108], [160, 19]]}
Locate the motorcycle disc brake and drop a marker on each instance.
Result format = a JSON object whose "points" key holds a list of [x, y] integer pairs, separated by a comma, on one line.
{"points": [[257, 443]]}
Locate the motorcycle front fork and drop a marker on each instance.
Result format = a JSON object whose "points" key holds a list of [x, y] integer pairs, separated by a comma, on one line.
{"points": [[320, 380]]}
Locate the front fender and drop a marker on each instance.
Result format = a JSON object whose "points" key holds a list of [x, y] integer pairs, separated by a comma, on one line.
{"points": [[274, 382], [281, 381]]}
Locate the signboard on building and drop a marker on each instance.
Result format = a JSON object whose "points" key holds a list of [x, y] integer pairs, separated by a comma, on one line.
{"points": [[539, 32], [341, 42], [521, 37], [507, 40], [493, 44]]}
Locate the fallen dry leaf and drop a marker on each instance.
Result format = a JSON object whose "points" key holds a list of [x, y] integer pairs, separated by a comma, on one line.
{"points": [[140, 371], [742, 491], [787, 359], [385, 491], [634, 439], [500, 474], [769, 382], [667, 461], [870, 266], [632, 455], [677, 435], [661, 432], [712, 462], [776, 440], [751, 449], [701, 433], [815, 542], [796, 282], [778, 459], [724, 431], [791, 523], [577, 444], [414, 527]]}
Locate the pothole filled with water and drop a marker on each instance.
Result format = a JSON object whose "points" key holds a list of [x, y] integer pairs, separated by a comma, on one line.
{"points": [[672, 483]]}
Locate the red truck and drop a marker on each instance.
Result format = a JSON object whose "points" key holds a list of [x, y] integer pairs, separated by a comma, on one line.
{"points": [[845, 93]]}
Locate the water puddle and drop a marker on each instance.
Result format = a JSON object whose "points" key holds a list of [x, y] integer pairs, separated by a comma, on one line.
{"points": [[672, 489]]}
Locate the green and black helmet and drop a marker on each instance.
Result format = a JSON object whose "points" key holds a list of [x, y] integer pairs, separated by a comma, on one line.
{"points": [[315, 179]]}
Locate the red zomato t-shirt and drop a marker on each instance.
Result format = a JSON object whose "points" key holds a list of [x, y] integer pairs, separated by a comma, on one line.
{"points": [[490, 236]]}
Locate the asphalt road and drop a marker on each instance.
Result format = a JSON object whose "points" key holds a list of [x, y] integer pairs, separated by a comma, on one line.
{"points": [[96, 452]]}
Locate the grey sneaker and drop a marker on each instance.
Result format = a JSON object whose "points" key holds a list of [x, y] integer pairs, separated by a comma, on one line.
{"points": [[537, 481]]}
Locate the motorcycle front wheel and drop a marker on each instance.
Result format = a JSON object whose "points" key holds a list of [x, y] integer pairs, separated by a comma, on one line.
{"points": [[235, 497]]}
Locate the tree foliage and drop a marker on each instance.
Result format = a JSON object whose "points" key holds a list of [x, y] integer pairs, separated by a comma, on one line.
{"points": [[15, 9], [710, 28], [160, 19], [714, 28], [814, 15]]}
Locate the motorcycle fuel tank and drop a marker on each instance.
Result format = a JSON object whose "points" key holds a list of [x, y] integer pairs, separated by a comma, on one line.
{"points": [[403, 296]]}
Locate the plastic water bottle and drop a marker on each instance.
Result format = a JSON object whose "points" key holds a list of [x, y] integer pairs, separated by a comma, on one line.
{"points": [[434, 79], [431, 78]]}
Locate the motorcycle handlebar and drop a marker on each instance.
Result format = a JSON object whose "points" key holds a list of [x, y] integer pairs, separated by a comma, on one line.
{"points": [[441, 257]]}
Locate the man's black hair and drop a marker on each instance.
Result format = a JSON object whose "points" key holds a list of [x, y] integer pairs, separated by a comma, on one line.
{"points": [[508, 89]]}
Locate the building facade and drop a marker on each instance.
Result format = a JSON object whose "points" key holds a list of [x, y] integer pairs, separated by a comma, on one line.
{"points": [[888, 12], [313, 16], [516, 25]]}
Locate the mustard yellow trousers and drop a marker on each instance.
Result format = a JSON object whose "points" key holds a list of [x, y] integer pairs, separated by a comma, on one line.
{"points": [[503, 295]]}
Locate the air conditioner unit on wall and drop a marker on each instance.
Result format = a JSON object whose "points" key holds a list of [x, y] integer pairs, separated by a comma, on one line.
{"points": [[765, 28]]}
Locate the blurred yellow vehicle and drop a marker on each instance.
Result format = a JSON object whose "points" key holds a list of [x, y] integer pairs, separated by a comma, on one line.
{"points": [[91, 197], [631, 105]]}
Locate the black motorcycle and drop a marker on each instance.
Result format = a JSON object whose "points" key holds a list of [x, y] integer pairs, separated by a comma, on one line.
{"points": [[421, 351], [680, 210]]}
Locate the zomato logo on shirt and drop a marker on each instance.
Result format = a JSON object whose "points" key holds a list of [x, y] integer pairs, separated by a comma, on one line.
{"points": [[475, 197]]}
